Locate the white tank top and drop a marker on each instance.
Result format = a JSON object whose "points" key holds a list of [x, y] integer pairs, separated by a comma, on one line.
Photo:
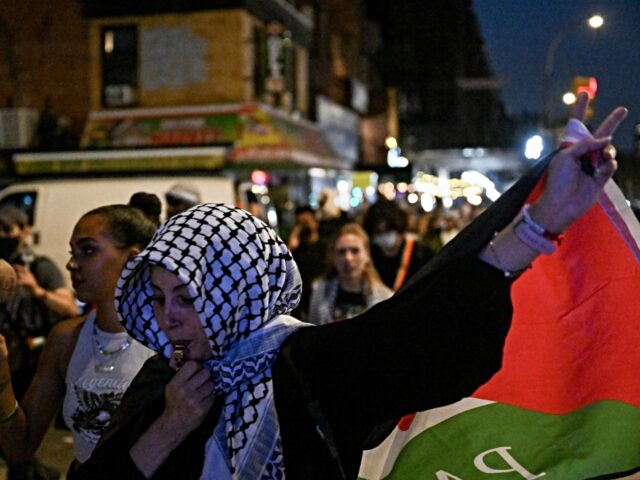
{"points": [[96, 382]]}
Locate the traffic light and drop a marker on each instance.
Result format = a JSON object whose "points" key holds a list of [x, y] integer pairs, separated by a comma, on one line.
{"points": [[585, 84], [589, 85]]}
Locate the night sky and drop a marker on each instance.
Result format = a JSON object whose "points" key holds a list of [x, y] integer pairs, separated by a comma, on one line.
{"points": [[518, 34]]}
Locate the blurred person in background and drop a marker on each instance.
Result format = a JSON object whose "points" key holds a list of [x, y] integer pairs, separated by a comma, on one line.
{"points": [[450, 226], [88, 361], [180, 197], [305, 229], [396, 256], [40, 300], [308, 253], [7, 281], [330, 216], [351, 284]]}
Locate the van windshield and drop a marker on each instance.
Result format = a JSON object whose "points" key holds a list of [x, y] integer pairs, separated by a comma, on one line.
{"points": [[25, 201]]}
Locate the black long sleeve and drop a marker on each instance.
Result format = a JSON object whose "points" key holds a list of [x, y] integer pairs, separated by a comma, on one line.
{"points": [[430, 345]]}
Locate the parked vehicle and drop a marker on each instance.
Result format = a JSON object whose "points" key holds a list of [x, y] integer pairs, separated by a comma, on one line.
{"points": [[55, 205]]}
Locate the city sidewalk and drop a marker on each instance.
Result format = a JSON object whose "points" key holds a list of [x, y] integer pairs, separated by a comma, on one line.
{"points": [[56, 451]]}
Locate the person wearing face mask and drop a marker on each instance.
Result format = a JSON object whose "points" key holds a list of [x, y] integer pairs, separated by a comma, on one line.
{"points": [[395, 255], [40, 300]]}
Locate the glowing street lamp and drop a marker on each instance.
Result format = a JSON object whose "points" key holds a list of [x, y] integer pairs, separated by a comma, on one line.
{"points": [[595, 21], [569, 98]]}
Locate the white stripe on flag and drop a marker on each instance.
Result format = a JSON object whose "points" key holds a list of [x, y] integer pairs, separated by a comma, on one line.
{"points": [[378, 462], [612, 201]]}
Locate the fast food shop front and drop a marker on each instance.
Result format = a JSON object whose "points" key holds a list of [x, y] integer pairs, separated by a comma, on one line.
{"points": [[272, 156]]}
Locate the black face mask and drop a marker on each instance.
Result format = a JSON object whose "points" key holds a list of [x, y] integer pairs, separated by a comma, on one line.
{"points": [[8, 247]]}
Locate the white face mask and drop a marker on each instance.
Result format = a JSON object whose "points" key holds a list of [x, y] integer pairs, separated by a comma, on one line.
{"points": [[386, 240]]}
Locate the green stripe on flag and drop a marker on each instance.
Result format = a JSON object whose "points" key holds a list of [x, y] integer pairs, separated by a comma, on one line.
{"points": [[502, 442]]}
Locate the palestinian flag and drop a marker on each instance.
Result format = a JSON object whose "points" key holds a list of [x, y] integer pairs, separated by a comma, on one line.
{"points": [[566, 403]]}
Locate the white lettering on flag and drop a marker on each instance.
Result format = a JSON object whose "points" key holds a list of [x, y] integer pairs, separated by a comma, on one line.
{"points": [[515, 466], [442, 475]]}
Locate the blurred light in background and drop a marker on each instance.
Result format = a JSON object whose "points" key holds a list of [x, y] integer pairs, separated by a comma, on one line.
{"points": [[395, 159], [272, 216], [534, 147], [317, 172], [259, 177], [108, 41], [259, 190], [428, 202], [477, 178], [569, 98], [391, 143], [596, 21]]}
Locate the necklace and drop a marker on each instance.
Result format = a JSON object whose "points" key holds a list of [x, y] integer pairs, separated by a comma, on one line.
{"points": [[107, 358]]}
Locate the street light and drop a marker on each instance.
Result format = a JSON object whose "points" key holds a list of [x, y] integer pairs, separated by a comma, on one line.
{"points": [[595, 21], [569, 98]]}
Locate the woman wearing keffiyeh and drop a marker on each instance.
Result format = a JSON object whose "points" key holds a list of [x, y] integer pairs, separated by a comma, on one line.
{"points": [[262, 397]]}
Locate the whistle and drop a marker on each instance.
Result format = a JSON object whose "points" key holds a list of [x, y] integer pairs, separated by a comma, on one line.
{"points": [[179, 355]]}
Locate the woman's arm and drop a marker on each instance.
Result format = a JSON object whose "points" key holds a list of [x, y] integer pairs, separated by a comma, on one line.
{"points": [[428, 346], [440, 338], [60, 300], [21, 434], [568, 193]]}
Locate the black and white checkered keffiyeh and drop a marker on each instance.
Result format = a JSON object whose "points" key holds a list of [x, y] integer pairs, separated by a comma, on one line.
{"points": [[244, 281]]}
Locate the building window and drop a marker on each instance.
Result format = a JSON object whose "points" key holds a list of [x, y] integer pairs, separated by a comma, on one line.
{"points": [[274, 73], [119, 65]]}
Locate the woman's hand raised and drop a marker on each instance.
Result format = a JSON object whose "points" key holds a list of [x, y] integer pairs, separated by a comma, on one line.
{"points": [[569, 191]]}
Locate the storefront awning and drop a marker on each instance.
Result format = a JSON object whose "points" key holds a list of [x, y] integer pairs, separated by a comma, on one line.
{"points": [[254, 134], [143, 160]]}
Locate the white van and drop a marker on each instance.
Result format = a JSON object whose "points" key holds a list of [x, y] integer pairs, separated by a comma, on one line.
{"points": [[55, 205]]}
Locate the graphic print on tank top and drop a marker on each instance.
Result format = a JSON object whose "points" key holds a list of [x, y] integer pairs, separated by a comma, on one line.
{"points": [[94, 410]]}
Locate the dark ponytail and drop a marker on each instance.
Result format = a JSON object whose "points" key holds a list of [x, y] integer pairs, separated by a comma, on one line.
{"points": [[149, 204]]}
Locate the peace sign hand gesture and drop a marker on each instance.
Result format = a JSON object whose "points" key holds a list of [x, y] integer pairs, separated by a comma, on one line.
{"points": [[569, 191]]}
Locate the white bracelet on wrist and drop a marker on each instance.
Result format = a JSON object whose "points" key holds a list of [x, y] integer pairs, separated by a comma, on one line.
{"points": [[535, 235]]}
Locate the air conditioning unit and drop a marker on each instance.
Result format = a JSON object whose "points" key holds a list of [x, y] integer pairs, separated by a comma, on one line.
{"points": [[17, 127], [120, 95]]}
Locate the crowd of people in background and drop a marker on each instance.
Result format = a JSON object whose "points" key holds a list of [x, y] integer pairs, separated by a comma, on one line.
{"points": [[392, 241], [210, 290], [347, 263], [240, 389]]}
